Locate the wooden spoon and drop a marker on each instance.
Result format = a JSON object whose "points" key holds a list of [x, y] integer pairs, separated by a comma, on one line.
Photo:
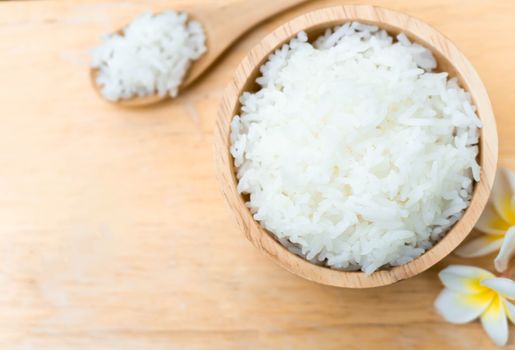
{"points": [[222, 24]]}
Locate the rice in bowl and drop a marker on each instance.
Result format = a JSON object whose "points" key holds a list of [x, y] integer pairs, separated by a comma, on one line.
{"points": [[353, 153]]}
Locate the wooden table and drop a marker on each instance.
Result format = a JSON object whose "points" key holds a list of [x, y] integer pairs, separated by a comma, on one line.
{"points": [[113, 233]]}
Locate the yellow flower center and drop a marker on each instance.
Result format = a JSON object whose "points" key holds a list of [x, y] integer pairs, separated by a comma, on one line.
{"points": [[499, 224], [480, 298], [507, 211]]}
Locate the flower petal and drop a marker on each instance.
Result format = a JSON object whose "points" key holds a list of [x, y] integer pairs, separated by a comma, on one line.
{"points": [[507, 251], [464, 279], [502, 285], [462, 308], [491, 223], [510, 310], [479, 246], [502, 194], [495, 323]]}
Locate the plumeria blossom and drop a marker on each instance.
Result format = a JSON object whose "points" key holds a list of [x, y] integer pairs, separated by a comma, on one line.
{"points": [[471, 293], [497, 223]]}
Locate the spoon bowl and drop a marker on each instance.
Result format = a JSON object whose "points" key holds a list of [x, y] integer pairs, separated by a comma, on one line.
{"points": [[449, 59], [132, 102], [220, 34]]}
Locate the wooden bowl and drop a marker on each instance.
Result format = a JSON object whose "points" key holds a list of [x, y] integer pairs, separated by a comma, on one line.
{"points": [[449, 59]]}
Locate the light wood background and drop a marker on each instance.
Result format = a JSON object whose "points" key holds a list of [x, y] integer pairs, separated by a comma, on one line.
{"points": [[113, 233]]}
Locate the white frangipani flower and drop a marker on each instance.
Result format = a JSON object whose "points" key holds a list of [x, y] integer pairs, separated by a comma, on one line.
{"points": [[497, 223], [472, 292]]}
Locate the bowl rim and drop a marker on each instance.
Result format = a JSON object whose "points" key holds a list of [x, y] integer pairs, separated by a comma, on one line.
{"points": [[326, 18]]}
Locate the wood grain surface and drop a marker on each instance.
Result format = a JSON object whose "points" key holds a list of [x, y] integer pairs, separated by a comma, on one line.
{"points": [[113, 232]]}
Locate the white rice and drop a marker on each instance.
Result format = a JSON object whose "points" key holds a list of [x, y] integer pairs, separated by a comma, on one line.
{"points": [[152, 56], [353, 153]]}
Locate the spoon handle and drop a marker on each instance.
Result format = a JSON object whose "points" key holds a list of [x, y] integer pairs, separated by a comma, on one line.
{"points": [[242, 15], [224, 23]]}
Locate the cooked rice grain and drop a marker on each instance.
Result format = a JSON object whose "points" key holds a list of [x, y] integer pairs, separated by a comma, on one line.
{"points": [[353, 152]]}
